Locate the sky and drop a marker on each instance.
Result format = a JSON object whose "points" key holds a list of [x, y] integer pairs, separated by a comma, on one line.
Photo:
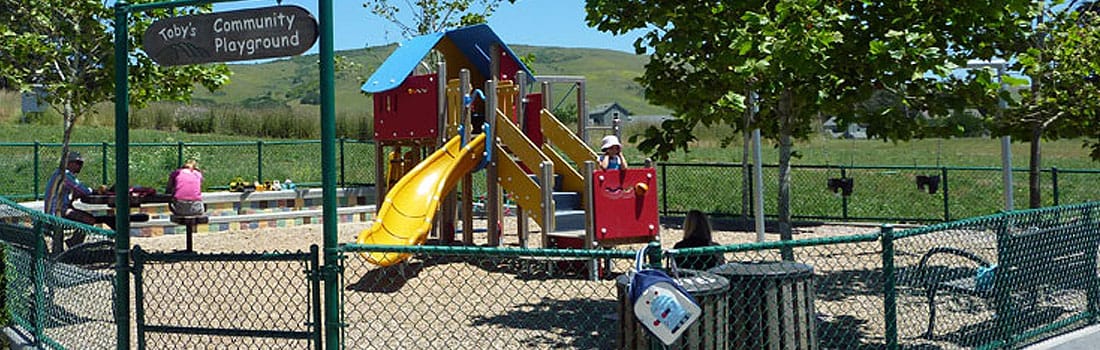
{"points": [[527, 22]]}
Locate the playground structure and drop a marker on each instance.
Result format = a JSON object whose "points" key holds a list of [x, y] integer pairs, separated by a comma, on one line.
{"points": [[521, 146]]}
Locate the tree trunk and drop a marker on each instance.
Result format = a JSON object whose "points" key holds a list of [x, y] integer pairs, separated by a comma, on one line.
{"points": [[69, 120], [1033, 169], [784, 222]]}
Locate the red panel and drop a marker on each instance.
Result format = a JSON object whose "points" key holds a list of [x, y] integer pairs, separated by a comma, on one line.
{"points": [[409, 111], [621, 210], [533, 124], [508, 66]]}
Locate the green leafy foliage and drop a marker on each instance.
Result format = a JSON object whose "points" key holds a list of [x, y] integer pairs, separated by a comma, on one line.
{"points": [[1060, 57], [803, 58], [431, 16]]}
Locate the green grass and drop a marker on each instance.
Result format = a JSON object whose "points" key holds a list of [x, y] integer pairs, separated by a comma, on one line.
{"points": [[975, 152]]}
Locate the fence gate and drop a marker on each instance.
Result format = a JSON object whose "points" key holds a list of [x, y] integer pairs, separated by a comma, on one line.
{"points": [[241, 301]]}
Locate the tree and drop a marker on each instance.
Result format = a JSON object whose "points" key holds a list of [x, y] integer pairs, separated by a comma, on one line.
{"points": [[1061, 58], [67, 48], [802, 58], [432, 16]]}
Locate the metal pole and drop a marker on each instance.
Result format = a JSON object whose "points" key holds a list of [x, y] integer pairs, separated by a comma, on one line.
{"points": [[37, 175], [493, 198], [1006, 143], [179, 154], [946, 195], [103, 153], [441, 103], [260, 158], [758, 185], [122, 174], [328, 177], [521, 105], [890, 301], [843, 197], [589, 217], [342, 154], [464, 89], [1054, 183], [582, 111]]}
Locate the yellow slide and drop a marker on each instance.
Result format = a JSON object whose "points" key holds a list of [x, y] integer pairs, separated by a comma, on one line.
{"points": [[405, 217]]}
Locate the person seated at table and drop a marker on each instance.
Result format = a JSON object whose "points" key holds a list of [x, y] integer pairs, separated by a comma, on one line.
{"points": [[62, 189], [697, 233], [185, 185]]}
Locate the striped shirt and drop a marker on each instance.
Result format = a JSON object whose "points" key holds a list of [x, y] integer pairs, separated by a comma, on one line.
{"points": [[69, 187]]}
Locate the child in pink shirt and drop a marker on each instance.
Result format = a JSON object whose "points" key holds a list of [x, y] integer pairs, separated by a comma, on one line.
{"points": [[185, 185]]}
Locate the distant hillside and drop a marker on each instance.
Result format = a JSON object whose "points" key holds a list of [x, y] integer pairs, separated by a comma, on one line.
{"points": [[609, 76]]}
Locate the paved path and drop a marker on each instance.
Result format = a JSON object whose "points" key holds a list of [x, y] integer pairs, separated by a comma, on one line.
{"points": [[1087, 338]]}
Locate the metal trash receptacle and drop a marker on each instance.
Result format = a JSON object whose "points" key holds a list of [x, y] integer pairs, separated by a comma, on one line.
{"points": [[708, 332], [771, 305]]}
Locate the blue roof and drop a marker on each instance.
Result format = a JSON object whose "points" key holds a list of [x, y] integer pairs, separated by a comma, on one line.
{"points": [[473, 42]]}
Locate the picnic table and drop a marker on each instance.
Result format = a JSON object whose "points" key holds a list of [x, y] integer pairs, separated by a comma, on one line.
{"points": [[136, 201]]}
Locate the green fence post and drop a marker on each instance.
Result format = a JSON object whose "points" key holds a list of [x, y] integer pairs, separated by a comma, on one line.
{"points": [[890, 301], [122, 173], [38, 259], [333, 324], [653, 255], [844, 198], [664, 189], [103, 149], [179, 154], [946, 200], [1054, 182], [1004, 326], [315, 276], [37, 147], [342, 183], [260, 161], [139, 295]]}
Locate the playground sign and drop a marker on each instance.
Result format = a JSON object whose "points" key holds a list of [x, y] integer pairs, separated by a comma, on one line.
{"points": [[241, 35]]}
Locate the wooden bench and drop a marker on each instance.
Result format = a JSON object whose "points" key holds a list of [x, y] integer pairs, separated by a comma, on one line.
{"points": [[1030, 260], [190, 221]]}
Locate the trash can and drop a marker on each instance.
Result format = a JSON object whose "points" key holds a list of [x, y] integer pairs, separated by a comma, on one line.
{"points": [[708, 332], [771, 305]]}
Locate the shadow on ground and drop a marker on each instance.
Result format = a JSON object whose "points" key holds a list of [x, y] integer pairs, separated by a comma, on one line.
{"points": [[574, 323]]}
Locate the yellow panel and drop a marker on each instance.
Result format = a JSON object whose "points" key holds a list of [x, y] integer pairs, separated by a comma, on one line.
{"points": [[559, 135], [525, 191], [518, 143], [571, 179], [506, 98]]}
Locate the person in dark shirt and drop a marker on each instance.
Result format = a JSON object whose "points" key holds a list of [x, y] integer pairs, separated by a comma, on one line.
{"points": [[697, 233]]}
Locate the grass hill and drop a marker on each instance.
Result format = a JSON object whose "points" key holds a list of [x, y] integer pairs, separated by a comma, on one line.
{"points": [[609, 76]]}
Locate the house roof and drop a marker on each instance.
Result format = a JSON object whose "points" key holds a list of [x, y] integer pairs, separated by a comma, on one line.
{"points": [[471, 43], [600, 109]]}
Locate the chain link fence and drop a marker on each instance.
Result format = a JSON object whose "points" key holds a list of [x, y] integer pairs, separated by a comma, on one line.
{"points": [[1002, 280], [243, 301], [841, 193], [866, 193], [59, 296], [222, 162], [860, 291]]}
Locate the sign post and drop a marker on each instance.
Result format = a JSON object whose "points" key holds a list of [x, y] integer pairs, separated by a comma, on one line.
{"points": [[241, 35]]}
